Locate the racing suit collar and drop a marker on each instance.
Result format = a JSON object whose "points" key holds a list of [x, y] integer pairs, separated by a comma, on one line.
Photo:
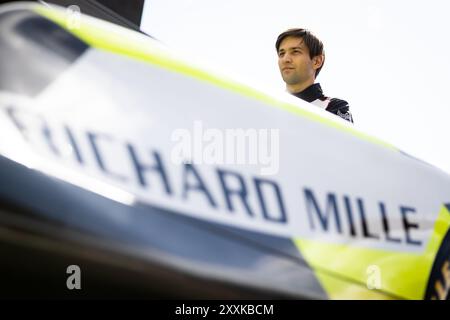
{"points": [[313, 92]]}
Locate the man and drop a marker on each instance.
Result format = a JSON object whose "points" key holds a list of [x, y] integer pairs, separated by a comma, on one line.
{"points": [[300, 59]]}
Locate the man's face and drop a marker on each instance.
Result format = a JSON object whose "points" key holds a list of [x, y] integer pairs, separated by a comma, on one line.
{"points": [[295, 65]]}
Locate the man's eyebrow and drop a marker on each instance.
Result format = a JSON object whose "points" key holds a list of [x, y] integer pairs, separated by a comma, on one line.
{"points": [[291, 48]]}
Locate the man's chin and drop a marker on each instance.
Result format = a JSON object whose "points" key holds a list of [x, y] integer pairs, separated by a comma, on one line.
{"points": [[291, 81]]}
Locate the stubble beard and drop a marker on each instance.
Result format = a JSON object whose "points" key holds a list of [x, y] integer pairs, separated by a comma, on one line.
{"points": [[292, 79]]}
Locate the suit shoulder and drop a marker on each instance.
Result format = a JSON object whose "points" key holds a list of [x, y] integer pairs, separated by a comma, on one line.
{"points": [[340, 108], [336, 104]]}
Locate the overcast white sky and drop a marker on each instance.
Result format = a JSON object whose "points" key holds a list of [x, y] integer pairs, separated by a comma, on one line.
{"points": [[388, 58]]}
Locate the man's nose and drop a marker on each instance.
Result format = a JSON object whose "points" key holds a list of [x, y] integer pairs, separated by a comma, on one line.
{"points": [[286, 58]]}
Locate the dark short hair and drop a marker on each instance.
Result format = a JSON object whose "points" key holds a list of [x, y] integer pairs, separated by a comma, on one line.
{"points": [[314, 45]]}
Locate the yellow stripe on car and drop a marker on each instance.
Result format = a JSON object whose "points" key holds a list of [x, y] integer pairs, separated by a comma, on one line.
{"points": [[405, 275]]}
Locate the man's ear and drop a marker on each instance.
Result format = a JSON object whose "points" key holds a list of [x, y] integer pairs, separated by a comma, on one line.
{"points": [[318, 61]]}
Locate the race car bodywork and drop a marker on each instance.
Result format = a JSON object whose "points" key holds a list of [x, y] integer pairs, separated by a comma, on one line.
{"points": [[119, 157]]}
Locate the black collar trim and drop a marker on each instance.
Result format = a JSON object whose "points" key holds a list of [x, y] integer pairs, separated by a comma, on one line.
{"points": [[313, 92]]}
